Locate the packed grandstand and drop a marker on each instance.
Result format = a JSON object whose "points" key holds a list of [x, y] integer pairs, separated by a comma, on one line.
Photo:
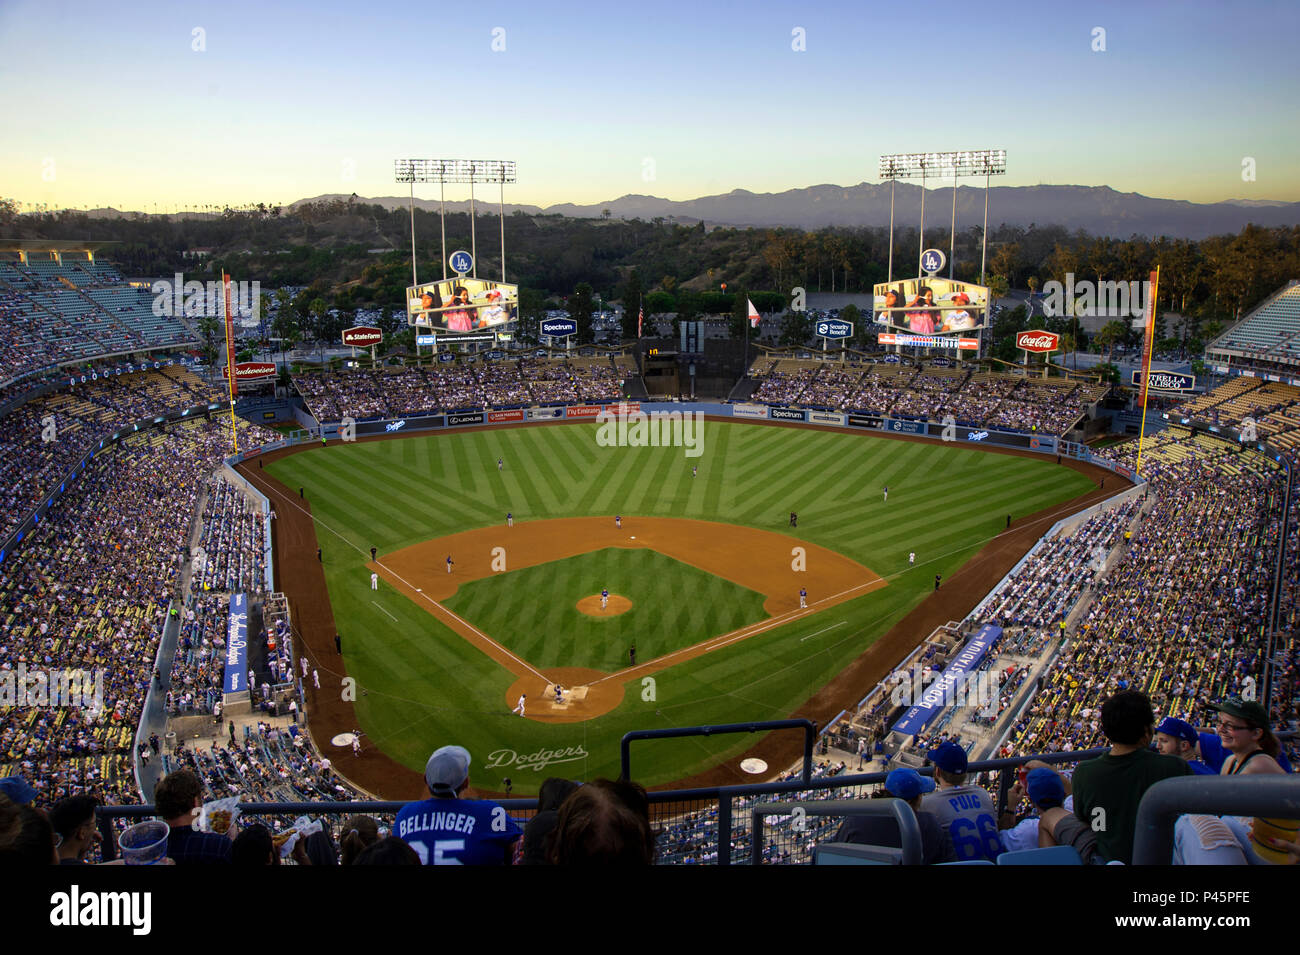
{"points": [[144, 534]]}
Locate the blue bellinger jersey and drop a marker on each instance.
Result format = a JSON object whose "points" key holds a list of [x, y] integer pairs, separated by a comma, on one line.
{"points": [[457, 831]]}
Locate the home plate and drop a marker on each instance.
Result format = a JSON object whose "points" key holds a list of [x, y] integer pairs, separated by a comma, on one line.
{"points": [[753, 766]]}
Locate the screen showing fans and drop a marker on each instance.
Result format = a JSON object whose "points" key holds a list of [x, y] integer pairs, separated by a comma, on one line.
{"points": [[932, 306], [462, 304]]}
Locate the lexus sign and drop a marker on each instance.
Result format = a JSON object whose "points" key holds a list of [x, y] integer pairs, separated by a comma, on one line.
{"points": [[1038, 341], [362, 336]]}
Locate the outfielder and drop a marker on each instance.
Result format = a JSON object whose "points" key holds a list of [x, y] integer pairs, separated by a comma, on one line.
{"points": [[886, 492], [911, 558], [374, 581]]}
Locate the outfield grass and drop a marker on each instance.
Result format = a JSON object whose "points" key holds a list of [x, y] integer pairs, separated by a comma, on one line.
{"points": [[425, 686], [533, 611]]}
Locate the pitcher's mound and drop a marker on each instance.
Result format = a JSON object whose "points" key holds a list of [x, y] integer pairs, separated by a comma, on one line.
{"points": [[617, 605]]}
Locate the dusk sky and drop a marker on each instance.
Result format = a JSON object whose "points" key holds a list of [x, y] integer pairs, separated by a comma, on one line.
{"points": [[112, 104]]}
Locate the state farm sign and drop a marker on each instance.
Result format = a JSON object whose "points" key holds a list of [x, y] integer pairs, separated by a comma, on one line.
{"points": [[251, 371], [363, 336], [1038, 340]]}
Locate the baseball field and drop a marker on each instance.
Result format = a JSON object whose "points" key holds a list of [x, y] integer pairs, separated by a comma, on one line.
{"points": [[704, 575]]}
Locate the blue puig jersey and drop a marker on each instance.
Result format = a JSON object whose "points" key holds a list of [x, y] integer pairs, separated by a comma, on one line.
{"points": [[967, 812], [457, 831]]}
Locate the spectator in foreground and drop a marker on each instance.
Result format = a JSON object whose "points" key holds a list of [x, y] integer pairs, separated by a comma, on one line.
{"points": [[449, 830], [254, 846], [965, 811], [390, 851], [604, 823], [1108, 789], [537, 831], [177, 799], [911, 787], [26, 836], [1175, 737], [74, 824], [359, 833]]}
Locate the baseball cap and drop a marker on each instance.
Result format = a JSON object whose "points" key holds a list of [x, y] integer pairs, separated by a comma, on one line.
{"points": [[447, 769], [17, 789], [1248, 710], [1178, 729], [949, 757], [1044, 785], [907, 784]]}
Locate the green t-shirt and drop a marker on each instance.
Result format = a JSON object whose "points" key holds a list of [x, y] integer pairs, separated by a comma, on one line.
{"points": [[1116, 784]]}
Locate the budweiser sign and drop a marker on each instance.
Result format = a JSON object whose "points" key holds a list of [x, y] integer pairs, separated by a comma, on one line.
{"points": [[251, 370], [1038, 340], [362, 336]]}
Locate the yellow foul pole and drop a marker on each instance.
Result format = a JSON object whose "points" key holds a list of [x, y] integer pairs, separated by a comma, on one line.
{"points": [[1148, 344], [230, 361]]}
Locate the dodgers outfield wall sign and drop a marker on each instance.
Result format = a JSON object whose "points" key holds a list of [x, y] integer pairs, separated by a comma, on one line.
{"points": [[788, 414]]}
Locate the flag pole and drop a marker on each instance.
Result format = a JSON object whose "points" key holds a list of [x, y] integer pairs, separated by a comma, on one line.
{"points": [[1146, 359]]}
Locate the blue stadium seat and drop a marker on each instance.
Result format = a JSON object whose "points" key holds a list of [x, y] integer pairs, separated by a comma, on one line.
{"points": [[1054, 855]]}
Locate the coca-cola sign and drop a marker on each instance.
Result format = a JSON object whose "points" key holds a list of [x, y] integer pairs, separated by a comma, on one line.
{"points": [[362, 335], [1038, 341]]}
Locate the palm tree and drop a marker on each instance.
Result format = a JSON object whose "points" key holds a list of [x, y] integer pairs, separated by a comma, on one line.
{"points": [[1111, 333]]}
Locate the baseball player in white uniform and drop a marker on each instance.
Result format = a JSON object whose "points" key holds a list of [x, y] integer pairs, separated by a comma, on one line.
{"points": [[374, 581], [315, 678], [911, 558], [519, 707], [356, 746], [803, 598], [604, 599], [886, 492]]}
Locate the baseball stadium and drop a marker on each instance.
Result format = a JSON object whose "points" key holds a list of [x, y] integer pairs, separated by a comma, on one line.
{"points": [[759, 528]]}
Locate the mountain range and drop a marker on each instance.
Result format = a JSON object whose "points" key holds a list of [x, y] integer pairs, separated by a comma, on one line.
{"points": [[1098, 210]]}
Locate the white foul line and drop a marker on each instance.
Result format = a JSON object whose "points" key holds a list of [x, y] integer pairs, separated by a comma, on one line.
{"points": [[823, 630], [384, 612]]}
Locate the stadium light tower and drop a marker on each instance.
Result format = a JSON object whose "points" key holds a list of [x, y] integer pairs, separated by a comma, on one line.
{"points": [[965, 162], [443, 171]]}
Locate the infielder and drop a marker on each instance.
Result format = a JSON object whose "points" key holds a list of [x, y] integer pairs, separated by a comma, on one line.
{"points": [[604, 599], [449, 563], [803, 598], [519, 707], [374, 581], [510, 519], [618, 520]]}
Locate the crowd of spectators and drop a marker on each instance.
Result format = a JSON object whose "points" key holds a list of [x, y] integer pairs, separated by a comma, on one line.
{"points": [[46, 437], [1180, 616], [230, 555], [458, 385], [989, 400], [88, 590]]}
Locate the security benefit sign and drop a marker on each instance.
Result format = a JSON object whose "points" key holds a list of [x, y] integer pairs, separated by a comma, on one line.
{"points": [[834, 328], [1168, 381]]}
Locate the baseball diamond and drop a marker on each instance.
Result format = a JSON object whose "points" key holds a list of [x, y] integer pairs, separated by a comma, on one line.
{"points": [[434, 654]]}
